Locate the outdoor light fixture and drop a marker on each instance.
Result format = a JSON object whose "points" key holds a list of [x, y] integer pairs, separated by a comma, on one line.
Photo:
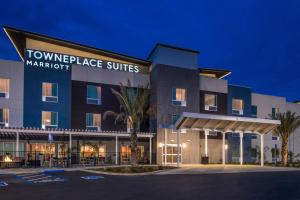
{"points": [[171, 140], [160, 144], [184, 145], [226, 146]]}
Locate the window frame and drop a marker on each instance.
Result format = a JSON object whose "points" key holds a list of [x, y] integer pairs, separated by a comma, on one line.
{"points": [[98, 128], [240, 112], [4, 123], [44, 126], [177, 102], [55, 98], [208, 107], [254, 115], [98, 100], [6, 94]]}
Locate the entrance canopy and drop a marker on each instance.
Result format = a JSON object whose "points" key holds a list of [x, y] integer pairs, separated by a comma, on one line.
{"points": [[223, 123]]}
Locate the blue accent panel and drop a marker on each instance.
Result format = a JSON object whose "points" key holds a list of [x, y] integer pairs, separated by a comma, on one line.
{"points": [[239, 92], [33, 104]]}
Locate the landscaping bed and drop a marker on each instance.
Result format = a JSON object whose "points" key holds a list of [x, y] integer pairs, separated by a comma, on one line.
{"points": [[132, 169]]}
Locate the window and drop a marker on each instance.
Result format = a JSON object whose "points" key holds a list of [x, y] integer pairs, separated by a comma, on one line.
{"points": [[4, 117], [210, 101], [275, 138], [93, 121], [275, 111], [253, 136], [93, 94], [237, 106], [91, 150], [174, 119], [50, 92], [254, 111], [179, 97], [213, 133], [49, 119], [4, 88]]}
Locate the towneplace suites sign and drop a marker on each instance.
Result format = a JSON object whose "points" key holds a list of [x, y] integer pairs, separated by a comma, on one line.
{"points": [[57, 61]]}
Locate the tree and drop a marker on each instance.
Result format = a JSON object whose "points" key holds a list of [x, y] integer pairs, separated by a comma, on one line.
{"points": [[134, 105], [289, 123]]}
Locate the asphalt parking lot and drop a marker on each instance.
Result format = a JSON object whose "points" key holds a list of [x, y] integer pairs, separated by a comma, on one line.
{"points": [[262, 185]]}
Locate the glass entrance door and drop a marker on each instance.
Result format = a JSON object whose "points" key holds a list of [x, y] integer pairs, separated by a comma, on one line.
{"points": [[169, 153]]}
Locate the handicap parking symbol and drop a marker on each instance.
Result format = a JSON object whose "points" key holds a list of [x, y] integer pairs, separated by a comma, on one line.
{"points": [[92, 177], [3, 184]]}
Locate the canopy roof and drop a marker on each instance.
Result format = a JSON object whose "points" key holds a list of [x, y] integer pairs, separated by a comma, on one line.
{"points": [[223, 123]]}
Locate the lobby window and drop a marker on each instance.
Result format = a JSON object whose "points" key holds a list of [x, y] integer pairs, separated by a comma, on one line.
{"points": [[93, 121], [50, 92], [275, 111], [93, 94], [4, 88], [4, 117], [49, 119], [237, 106], [210, 101], [179, 97], [254, 111]]}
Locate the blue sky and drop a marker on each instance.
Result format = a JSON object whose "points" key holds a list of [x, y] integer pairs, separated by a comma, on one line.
{"points": [[258, 40]]}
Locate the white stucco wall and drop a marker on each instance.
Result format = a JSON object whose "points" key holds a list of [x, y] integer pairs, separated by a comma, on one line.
{"points": [[264, 104]]}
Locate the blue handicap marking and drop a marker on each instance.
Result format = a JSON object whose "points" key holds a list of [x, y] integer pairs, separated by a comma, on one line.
{"points": [[3, 184], [92, 177]]}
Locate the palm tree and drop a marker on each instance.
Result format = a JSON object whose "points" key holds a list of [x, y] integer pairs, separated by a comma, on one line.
{"points": [[289, 123], [134, 104]]}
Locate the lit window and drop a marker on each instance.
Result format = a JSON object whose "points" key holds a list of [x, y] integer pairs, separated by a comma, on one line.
{"points": [[93, 94], [50, 92], [210, 101], [4, 88], [93, 121], [275, 111], [179, 96], [237, 106], [4, 116], [88, 150], [49, 119], [254, 111]]}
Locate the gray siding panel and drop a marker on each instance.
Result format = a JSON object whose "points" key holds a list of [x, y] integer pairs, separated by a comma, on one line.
{"points": [[14, 71]]}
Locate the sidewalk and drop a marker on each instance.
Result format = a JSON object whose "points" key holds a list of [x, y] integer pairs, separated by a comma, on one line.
{"points": [[218, 169]]}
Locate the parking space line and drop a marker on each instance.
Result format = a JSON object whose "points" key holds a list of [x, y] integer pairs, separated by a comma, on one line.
{"points": [[44, 177]]}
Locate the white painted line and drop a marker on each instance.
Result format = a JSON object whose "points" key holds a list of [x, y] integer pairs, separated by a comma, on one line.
{"points": [[37, 175], [40, 178]]}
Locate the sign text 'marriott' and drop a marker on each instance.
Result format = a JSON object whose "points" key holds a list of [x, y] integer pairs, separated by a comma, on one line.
{"points": [[57, 61]]}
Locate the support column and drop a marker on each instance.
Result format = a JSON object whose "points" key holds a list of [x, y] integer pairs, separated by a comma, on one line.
{"points": [[178, 147], [116, 161], [241, 148], [262, 150], [17, 144], [70, 148], [206, 132], [223, 148], [166, 138], [150, 150]]}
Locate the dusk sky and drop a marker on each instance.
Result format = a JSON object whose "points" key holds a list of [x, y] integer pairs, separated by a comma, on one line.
{"points": [[258, 40]]}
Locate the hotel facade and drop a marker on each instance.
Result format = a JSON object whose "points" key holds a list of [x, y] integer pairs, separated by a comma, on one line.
{"points": [[52, 103]]}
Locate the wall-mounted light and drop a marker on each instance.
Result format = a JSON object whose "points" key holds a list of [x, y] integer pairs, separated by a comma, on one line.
{"points": [[184, 145], [226, 146], [160, 144], [171, 140]]}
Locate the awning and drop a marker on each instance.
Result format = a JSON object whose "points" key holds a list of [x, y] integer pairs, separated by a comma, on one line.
{"points": [[12, 131], [223, 123]]}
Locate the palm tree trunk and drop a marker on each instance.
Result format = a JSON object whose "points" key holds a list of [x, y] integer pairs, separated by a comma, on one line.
{"points": [[133, 146], [284, 152]]}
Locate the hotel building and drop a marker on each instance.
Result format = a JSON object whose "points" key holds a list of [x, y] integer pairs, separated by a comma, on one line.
{"points": [[52, 103]]}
